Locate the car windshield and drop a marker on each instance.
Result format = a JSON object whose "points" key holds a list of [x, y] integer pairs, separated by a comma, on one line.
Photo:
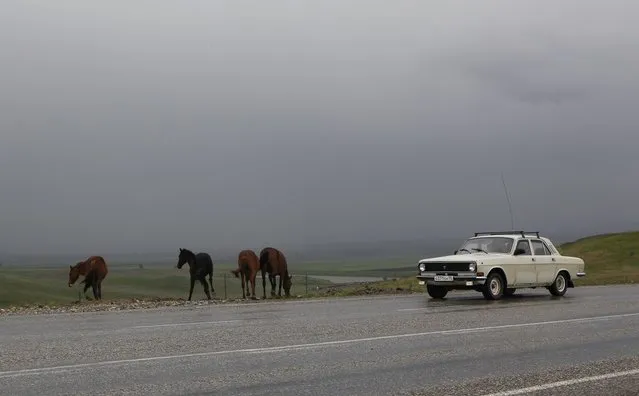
{"points": [[486, 245]]}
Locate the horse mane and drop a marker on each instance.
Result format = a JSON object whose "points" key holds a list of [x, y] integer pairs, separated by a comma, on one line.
{"points": [[188, 253], [264, 255], [83, 267]]}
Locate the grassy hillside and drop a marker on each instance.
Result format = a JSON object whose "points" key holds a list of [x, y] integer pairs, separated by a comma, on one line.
{"points": [[610, 258]]}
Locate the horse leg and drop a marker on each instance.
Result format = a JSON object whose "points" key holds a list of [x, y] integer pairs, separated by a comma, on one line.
{"points": [[252, 279], [94, 287], [246, 282], [211, 282], [100, 289], [279, 292], [271, 278], [263, 284], [191, 289], [242, 281], [87, 285], [206, 287], [97, 289]]}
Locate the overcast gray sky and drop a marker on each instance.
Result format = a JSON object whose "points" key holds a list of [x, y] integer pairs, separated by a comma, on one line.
{"points": [[152, 125]]}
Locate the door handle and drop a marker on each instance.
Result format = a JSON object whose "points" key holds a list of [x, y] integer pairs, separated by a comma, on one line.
{"points": [[553, 259], [533, 259]]}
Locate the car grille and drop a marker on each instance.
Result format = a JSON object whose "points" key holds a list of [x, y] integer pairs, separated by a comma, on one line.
{"points": [[430, 267]]}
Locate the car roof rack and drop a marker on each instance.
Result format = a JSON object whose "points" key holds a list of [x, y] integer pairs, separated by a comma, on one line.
{"points": [[522, 233]]}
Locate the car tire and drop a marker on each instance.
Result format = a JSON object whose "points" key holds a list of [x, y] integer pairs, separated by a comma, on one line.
{"points": [[494, 287], [509, 292], [559, 286], [437, 292]]}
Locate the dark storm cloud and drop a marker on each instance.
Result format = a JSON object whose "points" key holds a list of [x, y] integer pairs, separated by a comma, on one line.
{"points": [[151, 126]]}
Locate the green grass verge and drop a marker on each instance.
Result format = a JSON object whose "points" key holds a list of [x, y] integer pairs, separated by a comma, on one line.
{"points": [[48, 285]]}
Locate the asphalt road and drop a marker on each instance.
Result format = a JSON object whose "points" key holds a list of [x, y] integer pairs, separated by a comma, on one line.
{"points": [[356, 346]]}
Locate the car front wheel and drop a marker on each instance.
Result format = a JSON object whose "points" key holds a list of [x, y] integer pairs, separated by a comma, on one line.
{"points": [[559, 286], [436, 291], [494, 287]]}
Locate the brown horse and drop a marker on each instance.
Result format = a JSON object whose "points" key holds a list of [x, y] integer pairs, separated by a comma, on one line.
{"points": [[274, 262], [94, 270], [248, 264]]}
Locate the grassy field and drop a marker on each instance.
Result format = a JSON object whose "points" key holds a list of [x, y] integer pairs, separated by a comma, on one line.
{"points": [[48, 285], [610, 259]]}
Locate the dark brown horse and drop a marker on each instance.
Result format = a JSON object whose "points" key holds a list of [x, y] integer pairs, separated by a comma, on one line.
{"points": [[248, 264], [200, 265], [94, 270], [274, 262]]}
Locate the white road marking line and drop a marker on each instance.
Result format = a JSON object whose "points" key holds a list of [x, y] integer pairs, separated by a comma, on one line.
{"points": [[42, 370], [557, 384], [412, 309], [184, 324]]}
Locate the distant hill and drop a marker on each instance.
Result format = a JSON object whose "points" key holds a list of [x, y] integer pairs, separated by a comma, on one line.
{"points": [[610, 258], [315, 252], [417, 247]]}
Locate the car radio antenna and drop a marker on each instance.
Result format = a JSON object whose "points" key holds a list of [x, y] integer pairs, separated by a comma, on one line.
{"points": [[510, 208]]}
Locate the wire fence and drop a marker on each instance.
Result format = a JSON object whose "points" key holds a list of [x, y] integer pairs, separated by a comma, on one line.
{"points": [[308, 284], [228, 287]]}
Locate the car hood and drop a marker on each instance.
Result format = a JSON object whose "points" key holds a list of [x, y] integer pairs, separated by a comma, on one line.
{"points": [[458, 258]]}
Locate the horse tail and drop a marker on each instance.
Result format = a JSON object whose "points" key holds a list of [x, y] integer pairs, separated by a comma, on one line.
{"points": [[264, 258], [101, 264], [283, 267]]}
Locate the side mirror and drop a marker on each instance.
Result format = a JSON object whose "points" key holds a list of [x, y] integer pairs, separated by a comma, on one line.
{"points": [[455, 252]]}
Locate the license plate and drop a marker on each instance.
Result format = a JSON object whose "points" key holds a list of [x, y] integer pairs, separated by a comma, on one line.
{"points": [[443, 278]]}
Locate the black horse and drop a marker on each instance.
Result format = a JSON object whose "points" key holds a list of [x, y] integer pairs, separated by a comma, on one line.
{"points": [[200, 265]]}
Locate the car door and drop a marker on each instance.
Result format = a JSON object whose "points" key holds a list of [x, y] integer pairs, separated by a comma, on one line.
{"points": [[525, 272], [544, 262]]}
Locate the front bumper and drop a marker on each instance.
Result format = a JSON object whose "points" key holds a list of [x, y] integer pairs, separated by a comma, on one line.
{"points": [[460, 279], [581, 274]]}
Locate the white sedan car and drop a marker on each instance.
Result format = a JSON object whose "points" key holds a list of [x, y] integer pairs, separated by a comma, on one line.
{"points": [[498, 263]]}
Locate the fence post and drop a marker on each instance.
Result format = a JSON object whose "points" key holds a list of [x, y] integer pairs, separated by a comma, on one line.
{"points": [[306, 283], [225, 286]]}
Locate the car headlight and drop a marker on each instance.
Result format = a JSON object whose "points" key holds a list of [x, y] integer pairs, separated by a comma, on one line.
{"points": [[472, 267], [422, 267]]}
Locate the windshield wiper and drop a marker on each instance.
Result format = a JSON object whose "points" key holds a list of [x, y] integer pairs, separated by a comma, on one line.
{"points": [[480, 250]]}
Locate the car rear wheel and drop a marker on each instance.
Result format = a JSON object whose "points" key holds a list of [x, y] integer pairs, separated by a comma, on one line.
{"points": [[494, 287], [436, 291], [559, 286]]}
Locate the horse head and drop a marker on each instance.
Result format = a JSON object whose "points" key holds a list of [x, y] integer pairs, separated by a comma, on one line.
{"points": [[186, 256], [74, 273]]}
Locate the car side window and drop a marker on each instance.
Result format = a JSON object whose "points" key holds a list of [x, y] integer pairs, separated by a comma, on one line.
{"points": [[525, 246], [540, 248]]}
